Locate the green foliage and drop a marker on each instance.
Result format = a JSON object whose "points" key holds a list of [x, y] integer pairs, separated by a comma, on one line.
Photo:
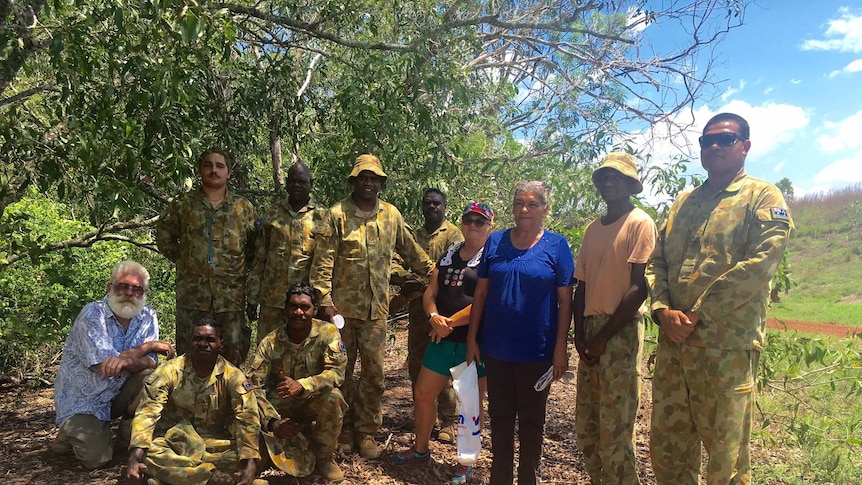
{"points": [[42, 299], [786, 188], [809, 401]]}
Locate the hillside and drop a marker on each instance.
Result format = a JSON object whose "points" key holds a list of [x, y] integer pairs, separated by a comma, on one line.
{"points": [[825, 259]]}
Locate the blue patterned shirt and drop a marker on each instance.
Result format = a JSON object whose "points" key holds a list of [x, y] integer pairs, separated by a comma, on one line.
{"points": [[95, 336]]}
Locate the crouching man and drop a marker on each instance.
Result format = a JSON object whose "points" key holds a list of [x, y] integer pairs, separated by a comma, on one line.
{"points": [[111, 348], [197, 422], [296, 372]]}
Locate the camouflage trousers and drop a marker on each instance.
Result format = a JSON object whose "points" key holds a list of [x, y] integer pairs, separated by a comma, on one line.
{"points": [[367, 340], [702, 395], [607, 404], [235, 334], [183, 457], [321, 417], [270, 319], [417, 341]]}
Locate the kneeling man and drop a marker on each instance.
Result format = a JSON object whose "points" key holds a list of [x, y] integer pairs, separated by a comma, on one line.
{"points": [[110, 349], [197, 421], [296, 372]]}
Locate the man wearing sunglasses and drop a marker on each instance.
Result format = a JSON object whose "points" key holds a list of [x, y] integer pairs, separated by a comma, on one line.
{"points": [[111, 348], [715, 257], [435, 236]]}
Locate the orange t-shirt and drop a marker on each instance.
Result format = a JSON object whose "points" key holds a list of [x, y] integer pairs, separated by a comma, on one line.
{"points": [[606, 255]]}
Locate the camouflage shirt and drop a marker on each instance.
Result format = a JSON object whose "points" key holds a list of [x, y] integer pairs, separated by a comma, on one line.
{"points": [[211, 248], [353, 258], [317, 363], [716, 256], [435, 245], [220, 406], [283, 253]]}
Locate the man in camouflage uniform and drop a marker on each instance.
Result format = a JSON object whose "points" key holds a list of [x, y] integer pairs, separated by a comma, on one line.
{"points": [[609, 323], [208, 233], [283, 251], [435, 237], [296, 373], [197, 422], [351, 269], [710, 277]]}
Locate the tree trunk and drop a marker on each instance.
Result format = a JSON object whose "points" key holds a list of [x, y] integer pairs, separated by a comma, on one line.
{"points": [[275, 151]]}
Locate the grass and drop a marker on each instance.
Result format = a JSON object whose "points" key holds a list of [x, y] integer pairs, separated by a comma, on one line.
{"points": [[825, 259]]}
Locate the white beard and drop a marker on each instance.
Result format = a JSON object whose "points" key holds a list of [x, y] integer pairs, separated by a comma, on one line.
{"points": [[126, 306]]}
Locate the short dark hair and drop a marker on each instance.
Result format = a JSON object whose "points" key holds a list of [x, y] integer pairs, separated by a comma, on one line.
{"points": [[744, 130], [303, 167], [434, 190], [221, 151], [208, 322], [303, 288]]}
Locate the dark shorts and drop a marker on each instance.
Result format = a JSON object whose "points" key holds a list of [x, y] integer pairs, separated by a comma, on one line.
{"points": [[441, 357]]}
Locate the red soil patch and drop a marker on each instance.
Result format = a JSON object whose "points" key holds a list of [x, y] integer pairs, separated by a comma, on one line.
{"points": [[831, 329]]}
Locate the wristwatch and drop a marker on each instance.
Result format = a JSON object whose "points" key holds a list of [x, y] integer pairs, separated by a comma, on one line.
{"points": [[432, 315]]}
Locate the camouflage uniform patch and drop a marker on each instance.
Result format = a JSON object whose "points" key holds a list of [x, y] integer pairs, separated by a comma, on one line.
{"points": [[283, 256], [351, 268], [191, 426], [318, 364], [716, 256], [212, 249]]}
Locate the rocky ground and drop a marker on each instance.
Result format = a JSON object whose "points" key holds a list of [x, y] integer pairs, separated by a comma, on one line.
{"points": [[27, 427]]}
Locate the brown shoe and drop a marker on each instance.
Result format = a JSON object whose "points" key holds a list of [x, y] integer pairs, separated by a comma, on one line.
{"points": [[345, 441], [367, 447], [329, 470], [447, 433]]}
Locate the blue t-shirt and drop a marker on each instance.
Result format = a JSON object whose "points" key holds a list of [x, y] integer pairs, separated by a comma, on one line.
{"points": [[520, 316]]}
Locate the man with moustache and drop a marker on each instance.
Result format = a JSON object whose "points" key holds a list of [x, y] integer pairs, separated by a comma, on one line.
{"points": [[296, 373], [435, 236], [197, 422], [351, 269], [710, 276], [111, 347], [209, 234], [284, 250]]}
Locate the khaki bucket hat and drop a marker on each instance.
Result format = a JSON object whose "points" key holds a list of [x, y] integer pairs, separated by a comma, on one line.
{"points": [[367, 162], [623, 163]]}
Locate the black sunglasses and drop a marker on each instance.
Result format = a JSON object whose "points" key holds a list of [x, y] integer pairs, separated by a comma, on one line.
{"points": [[720, 139], [122, 288], [474, 221]]}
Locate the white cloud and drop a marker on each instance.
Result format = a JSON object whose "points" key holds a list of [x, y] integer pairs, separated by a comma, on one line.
{"points": [[855, 66], [636, 20], [843, 34], [796, 81], [772, 126], [731, 90], [841, 173], [842, 135], [767, 90], [777, 168]]}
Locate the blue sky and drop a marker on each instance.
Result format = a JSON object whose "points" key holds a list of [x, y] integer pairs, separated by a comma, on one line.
{"points": [[794, 71]]}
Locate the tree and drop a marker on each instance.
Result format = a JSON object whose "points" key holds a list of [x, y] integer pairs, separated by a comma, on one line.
{"points": [[105, 103], [786, 188]]}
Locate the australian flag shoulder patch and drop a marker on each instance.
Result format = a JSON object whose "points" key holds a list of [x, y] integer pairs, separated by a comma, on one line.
{"points": [[780, 214]]}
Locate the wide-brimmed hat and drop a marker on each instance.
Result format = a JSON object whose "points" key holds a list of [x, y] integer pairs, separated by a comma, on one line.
{"points": [[623, 163], [367, 162], [480, 208]]}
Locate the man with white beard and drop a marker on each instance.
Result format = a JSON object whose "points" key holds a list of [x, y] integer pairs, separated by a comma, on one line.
{"points": [[110, 350]]}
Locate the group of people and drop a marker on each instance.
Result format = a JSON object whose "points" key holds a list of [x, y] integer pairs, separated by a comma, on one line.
{"points": [[317, 280]]}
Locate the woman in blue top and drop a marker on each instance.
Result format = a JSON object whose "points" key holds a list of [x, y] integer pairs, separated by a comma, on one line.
{"points": [[523, 302]]}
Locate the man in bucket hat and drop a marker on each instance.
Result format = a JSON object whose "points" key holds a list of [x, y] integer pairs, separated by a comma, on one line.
{"points": [[351, 269], [609, 323]]}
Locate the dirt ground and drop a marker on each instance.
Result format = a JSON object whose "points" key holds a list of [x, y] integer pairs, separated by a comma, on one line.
{"points": [[27, 427]]}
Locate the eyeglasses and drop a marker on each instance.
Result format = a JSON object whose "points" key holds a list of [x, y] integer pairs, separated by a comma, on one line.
{"points": [[138, 291], [477, 221], [721, 139]]}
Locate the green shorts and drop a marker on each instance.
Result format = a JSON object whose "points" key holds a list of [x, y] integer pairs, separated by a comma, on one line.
{"points": [[441, 357]]}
